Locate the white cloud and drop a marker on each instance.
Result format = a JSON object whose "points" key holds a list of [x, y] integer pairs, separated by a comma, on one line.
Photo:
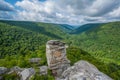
{"points": [[115, 13], [100, 7], [6, 10], [68, 11], [4, 6]]}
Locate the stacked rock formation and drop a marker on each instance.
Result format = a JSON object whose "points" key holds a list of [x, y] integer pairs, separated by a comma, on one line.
{"points": [[56, 57]]}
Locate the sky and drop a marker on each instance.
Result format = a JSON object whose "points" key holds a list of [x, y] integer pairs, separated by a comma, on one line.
{"points": [[74, 12]]}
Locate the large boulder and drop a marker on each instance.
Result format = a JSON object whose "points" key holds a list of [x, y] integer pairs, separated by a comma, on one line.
{"points": [[26, 74], [56, 57], [3, 70], [43, 70], [82, 70]]}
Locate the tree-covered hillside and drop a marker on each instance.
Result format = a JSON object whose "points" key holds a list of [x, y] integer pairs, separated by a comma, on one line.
{"points": [[17, 37], [102, 41], [24, 40], [86, 27], [49, 29]]}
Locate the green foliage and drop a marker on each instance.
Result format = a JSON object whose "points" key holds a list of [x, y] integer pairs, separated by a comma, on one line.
{"points": [[15, 40], [12, 76], [23, 60], [86, 27], [101, 41], [42, 77], [20, 41]]}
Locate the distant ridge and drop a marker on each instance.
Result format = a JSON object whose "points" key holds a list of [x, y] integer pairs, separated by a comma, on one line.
{"points": [[86, 27]]}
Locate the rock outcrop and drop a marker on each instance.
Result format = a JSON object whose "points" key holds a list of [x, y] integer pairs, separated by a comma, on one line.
{"points": [[15, 69], [26, 74], [82, 70], [60, 65], [43, 70], [56, 57]]}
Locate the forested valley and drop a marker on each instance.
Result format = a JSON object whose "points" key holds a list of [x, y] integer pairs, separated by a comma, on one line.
{"points": [[97, 43]]}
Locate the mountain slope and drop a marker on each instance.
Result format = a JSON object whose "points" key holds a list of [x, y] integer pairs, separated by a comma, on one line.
{"points": [[86, 27], [102, 41], [67, 27], [53, 30], [16, 40], [25, 40], [20, 37]]}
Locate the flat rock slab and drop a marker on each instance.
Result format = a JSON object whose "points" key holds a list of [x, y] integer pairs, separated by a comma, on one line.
{"points": [[82, 70]]}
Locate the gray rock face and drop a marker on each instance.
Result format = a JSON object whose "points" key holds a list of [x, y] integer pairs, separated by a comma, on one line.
{"points": [[3, 70], [26, 74], [56, 57], [43, 70], [16, 69], [83, 70], [35, 60]]}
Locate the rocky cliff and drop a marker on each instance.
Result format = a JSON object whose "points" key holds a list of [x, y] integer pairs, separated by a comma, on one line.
{"points": [[60, 65]]}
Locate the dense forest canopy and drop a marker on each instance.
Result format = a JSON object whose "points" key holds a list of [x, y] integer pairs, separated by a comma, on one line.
{"points": [[97, 43]]}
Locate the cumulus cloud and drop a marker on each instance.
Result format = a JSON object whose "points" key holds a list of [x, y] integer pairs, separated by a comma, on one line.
{"points": [[4, 6], [6, 10], [100, 7], [68, 11], [115, 13], [34, 10]]}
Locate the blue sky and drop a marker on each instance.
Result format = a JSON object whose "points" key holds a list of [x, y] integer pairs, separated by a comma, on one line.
{"points": [[75, 12], [12, 1]]}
